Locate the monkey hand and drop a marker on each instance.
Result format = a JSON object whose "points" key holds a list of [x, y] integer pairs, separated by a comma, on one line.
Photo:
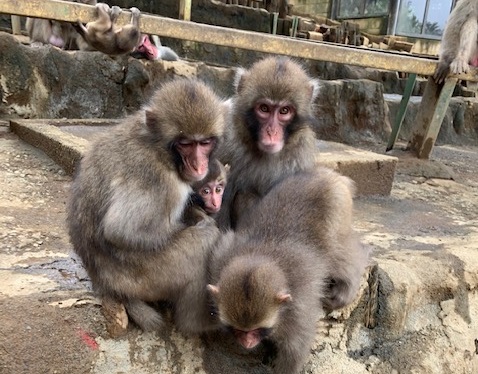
{"points": [[203, 220], [459, 66], [441, 73]]}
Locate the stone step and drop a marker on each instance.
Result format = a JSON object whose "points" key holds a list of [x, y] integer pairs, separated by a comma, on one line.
{"points": [[65, 141]]}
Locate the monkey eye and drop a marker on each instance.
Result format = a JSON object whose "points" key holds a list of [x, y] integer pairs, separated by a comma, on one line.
{"points": [[284, 110], [206, 141], [185, 142], [264, 108], [219, 189], [206, 191]]}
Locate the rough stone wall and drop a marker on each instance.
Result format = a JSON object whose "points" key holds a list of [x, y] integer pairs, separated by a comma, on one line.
{"points": [[51, 83]]}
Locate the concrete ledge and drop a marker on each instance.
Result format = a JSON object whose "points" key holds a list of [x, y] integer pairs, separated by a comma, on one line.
{"points": [[372, 173], [66, 140]]}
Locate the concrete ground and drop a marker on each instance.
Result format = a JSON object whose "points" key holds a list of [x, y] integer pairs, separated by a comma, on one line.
{"points": [[424, 237]]}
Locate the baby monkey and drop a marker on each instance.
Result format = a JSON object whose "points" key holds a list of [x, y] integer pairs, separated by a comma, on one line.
{"points": [[105, 36], [207, 193]]}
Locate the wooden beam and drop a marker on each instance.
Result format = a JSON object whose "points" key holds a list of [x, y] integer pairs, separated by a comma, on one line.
{"points": [[167, 27]]}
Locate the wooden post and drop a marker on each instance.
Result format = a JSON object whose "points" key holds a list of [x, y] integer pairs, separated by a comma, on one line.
{"points": [[185, 10], [430, 115], [16, 25], [401, 111]]}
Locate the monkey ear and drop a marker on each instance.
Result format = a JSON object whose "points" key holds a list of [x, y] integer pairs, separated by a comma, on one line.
{"points": [[227, 167], [239, 79], [314, 89], [213, 289], [150, 118], [283, 297]]}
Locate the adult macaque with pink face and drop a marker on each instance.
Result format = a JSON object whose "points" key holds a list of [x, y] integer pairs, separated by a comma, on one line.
{"points": [[128, 200], [271, 134]]}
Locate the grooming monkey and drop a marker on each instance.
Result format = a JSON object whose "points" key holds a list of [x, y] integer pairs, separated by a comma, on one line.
{"points": [[459, 46], [270, 136], [105, 36], [128, 199], [60, 34], [289, 258]]}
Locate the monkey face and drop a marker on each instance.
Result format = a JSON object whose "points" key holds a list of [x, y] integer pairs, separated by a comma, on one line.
{"points": [[273, 118], [250, 339], [211, 193], [194, 157]]}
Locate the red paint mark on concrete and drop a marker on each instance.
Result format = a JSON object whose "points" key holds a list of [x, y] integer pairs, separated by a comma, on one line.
{"points": [[88, 339]]}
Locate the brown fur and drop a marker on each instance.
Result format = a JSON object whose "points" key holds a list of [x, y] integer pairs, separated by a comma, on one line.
{"points": [[316, 208], [127, 202], [296, 241], [249, 278], [105, 36], [254, 172], [459, 44]]}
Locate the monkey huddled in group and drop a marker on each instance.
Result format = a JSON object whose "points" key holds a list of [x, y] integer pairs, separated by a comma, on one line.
{"points": [[459, 45], [293, 251], [128, 199], [290, 258], [60, 34], [106, 36], [271, 134]]}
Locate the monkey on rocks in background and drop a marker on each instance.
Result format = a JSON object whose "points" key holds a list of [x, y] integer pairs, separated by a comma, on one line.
{"points": [[459, 45], [106, 36], [60, 34], [128, 199]]}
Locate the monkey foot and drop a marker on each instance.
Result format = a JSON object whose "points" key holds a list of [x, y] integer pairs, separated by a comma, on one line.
{"points": [[115, 316]]}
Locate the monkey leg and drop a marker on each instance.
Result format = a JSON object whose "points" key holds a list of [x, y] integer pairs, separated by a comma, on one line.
{"points": [[468, 35], [193, 312], [294, 349], [145, 316], [156, 274], [114, 13], [115, 316], [135, 14], [345, 275]]}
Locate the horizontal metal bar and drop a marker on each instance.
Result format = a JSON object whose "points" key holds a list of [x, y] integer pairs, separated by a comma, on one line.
{"points": [[168, 27]]}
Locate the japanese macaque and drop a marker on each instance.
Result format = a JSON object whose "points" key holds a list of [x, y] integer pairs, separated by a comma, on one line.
{"points": [[107, 37], [459, 45], [150, 48], [293, 253], [270, 136], [127, 202], [209, 191], [60, 34], [315, 207]]}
